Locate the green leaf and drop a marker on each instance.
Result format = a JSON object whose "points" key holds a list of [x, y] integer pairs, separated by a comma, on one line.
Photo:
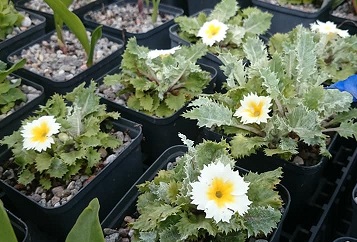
{"points": [[17, 65], [148, 236], [71, 157], [255, 52], [257, 22], [261, 220], [209, 113], [7, 233], [261, 188], [26, 177], [305, 49], [93, 157], [146, 102], [224, 10], [87, 221], [169, 235], [189, 226], [347, 129], [72, 21], [233, 68], [242, 146], [43, 161], [57, 169], [175, 102], [96, 35]]}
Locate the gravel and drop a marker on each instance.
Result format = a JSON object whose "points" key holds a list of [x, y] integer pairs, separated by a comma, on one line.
{"points": [[345, 10], [59, 65], [27, 23], [40, 5], [127, 16], [61, 194]]}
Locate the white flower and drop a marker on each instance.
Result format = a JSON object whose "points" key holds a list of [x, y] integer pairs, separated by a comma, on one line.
{"points": [[37, 134], [156, 53], [220, 192], [213, 31], [328, 28], [254, 109]]}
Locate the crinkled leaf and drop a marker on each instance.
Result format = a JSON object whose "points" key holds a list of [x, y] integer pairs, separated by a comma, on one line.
{"points": [[43, 161], [57, 169], [242, 146], [70, 158], [189, 226], [175, 102], [224, 10], [261, 220], [26, 177], [93, 157], [209, 113], [261, 188], [257, 22], [233, 68]]}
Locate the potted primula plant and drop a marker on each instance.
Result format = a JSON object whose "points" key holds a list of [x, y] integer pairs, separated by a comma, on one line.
{"points": [[70, 151], [153, 88], [277, 108], [223, 29], [17, 97], [335, 49], [287, 14], [146, 20], [64, 58], [17, 27], [196, 193]]}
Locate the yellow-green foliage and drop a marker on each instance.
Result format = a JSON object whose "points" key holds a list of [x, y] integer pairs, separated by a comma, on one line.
{"points": [[9, 18]]}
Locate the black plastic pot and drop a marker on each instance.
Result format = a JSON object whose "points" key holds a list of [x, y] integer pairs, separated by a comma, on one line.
{"points": [[127, 205], [353, 225], [9, 45], [157, 38], [195, 6], [345, 239], [20, 228], [301, 181], [178, 4], [160, 133], [95, 71], [343, 23], [285, 19], [49, 16], [13, 121], [109, 185]]}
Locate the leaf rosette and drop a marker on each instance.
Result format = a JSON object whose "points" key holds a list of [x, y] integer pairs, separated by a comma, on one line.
{"points": [[63, 138]]}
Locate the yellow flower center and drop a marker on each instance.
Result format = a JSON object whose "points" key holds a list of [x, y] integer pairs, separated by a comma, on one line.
{"points": [[255, 109], [212, 30], [220, 192], [39, 133]]}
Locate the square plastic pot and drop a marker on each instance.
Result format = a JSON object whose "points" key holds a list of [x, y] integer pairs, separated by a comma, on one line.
{"points": [[50, 24], [157, 38], [95, 71], [127, 205], [301, 181], [343, 23], [285, 19], [18, 41], [160, 133], [109, 185], [20, 228]]}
